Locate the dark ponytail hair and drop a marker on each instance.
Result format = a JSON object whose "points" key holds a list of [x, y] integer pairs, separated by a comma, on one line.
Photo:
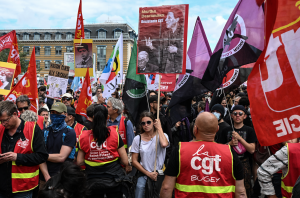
{"points": [[100, 131], [149, 115]]}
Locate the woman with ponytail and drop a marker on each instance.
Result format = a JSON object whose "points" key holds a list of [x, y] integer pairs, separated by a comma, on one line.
{"points": [[102, 151]]}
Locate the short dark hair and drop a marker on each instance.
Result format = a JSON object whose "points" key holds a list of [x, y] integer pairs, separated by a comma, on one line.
{"points": [[42, 88], [70, 91], [152, 91], [23, 98], [83, 45], [42, 110], [202, 105], [90, 110], [244, 101], [9, 107]]}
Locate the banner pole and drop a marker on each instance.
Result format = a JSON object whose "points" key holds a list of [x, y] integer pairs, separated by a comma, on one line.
{"points": [[158, 100]]}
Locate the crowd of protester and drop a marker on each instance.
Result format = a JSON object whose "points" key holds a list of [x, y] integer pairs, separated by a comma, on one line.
{"points": [[108, 154]]}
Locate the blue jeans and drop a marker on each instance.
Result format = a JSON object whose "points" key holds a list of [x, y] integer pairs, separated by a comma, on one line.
{"points": [[18, 195], [140, 187]]}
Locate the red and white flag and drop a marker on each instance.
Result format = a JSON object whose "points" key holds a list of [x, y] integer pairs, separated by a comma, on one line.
{"points": [[79, 32], [274, 83], [14, 57], [7, 40], [27, 85], [85, 98]]}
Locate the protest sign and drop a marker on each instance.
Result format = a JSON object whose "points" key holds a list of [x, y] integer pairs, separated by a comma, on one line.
{"points": [[7, 71], [83, 49], [57, 80], [162, 39], [168, 82]]}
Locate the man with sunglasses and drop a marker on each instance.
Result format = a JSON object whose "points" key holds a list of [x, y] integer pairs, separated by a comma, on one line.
{"points": [[23, 104], [67, 99], [242, 138], [22, 149]]}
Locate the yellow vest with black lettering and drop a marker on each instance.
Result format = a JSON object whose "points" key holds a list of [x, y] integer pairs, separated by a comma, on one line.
{"points": [[23, 178]]}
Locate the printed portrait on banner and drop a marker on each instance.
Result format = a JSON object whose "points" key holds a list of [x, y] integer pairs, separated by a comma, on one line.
{"points": [[83, 50], [7, 71], [162, 39]]}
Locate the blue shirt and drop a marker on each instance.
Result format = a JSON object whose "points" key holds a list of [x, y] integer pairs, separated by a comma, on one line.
{"points": [[129, 129]]}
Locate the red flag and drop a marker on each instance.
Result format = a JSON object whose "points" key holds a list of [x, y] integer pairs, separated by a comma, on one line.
{"points": [[14, 57], [7, 40], [274, 83], [85, 98], [167, 82], [79, 32], [27, 85], [45, 82]]}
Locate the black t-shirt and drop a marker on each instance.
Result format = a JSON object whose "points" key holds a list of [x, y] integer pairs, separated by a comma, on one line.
{"points": [[222, 126], [173, 165], [246, 132]]}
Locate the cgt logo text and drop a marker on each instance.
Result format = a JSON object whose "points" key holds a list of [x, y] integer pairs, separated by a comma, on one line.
{"points": [[207, 163], [287, 125], [94, 145]]}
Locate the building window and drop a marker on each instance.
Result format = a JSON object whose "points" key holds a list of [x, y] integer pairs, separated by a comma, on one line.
{"points": [[26, 50], [25, 36], [58, 62], [117, 34], [37, 50], [38, 64], [36, 37], [69, 36], [47, 50], [87, 35], [102, 34], [101, 57], [69, 48], [47, 36], [58, 36], [47, 64], [58, 50], [18, 36]]}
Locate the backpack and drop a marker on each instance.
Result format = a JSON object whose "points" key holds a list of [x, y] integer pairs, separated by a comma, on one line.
{"points": [[261, 153]]}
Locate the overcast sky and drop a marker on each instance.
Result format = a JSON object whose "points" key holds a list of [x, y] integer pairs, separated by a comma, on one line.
{"points": [[39, 14]]}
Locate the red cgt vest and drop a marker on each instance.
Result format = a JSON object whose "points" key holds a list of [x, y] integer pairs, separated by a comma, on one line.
{"points": [[122, 131], [205, 170], [24, 178], [99, 155], [289, 180]]}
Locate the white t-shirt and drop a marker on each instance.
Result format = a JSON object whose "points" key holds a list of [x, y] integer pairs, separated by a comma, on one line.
{"points": [[147, 153]]}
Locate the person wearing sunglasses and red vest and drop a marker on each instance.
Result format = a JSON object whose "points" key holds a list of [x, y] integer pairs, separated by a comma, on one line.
{"points": [[22, 150], [125, 127], [23, 104], [202, 167]]}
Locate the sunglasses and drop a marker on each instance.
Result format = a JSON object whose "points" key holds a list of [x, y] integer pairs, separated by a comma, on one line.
{"points": [[68, 99], [21, 109], [144, 123], [238, 113]]}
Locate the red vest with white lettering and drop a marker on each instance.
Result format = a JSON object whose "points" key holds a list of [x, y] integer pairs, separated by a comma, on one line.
{"points": [[205, 170], [99, 155], [40, 122], [24, 178], [289, 180], [122, 131]]}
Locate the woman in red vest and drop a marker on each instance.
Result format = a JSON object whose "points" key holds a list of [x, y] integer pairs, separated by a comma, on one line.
{"points": [[102, 151]]}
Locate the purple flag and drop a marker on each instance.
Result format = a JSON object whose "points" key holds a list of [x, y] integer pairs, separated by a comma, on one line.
{"points": [[241, 43], [189, 85], [206, 106]]}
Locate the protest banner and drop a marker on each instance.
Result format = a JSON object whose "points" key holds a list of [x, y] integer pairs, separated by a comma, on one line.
{"points": [[7, 71], [83, 59], [168, 82], [162, 42], [57, 80]]}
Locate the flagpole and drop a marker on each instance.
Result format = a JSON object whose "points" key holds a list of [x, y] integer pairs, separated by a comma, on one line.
{"points": [[158, 100]]}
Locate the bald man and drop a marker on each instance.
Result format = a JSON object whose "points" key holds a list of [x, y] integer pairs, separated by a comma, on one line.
{"points": [[203, 168]]}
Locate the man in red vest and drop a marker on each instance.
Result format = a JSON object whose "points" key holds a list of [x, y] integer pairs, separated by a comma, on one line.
{"points": [[23, 104], [203, 168], [22, 150]]}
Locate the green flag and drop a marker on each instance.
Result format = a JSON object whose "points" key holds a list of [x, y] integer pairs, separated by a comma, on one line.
{"points": [[135, 89]]}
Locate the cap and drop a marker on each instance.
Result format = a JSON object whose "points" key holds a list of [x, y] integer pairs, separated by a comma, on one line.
{"points": [[59, 107], [71, 111], [219, 108], [68, 95], [239, 107], [153, 99]]}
